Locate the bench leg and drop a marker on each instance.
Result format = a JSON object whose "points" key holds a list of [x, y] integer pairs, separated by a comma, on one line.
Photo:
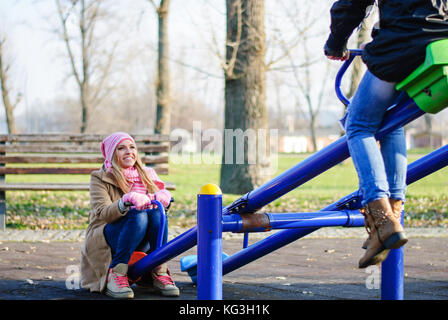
{"points": [[2, 211]]}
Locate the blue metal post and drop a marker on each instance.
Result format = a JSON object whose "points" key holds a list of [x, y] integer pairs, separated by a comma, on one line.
{"points": [[246, 240], [209, 217], [392, 274]]}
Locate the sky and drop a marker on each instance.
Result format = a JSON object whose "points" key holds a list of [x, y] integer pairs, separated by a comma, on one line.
{"points": [[38, 57], [28, 57]]}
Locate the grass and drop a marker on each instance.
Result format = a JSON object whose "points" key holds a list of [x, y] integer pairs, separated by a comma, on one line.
{"points": [[427, 200]]}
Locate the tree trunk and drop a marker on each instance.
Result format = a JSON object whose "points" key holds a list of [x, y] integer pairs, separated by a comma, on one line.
{"points": [[163, 113], [85, 83], [246, 120], [83, 66], [313, 132], [84, 110], [9, 107], [428, 128]]}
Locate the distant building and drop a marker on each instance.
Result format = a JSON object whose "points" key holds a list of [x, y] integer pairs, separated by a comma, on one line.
{"points": [[300, 141], [421, 139]]}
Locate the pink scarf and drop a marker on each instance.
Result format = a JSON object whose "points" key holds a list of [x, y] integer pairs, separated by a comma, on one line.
{"points": [[131, 174]]}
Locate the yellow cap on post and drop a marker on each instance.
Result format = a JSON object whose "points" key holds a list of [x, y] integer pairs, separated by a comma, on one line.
{"points": [[210, 188]]}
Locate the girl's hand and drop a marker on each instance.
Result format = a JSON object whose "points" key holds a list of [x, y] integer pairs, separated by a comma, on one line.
{"points": [[338, 58], [340, 55], [163, 197], [151, 206], [138, 200]]}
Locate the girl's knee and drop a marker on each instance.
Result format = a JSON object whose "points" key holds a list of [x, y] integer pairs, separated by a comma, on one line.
{"points": [[354, 130], [154, 217], [137, 219]]}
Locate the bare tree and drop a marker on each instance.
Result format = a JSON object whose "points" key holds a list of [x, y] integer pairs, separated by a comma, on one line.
{"points": [[245, 95], [163, 111], [89, 67], [306, 87], [309, 93], [9, 106]]}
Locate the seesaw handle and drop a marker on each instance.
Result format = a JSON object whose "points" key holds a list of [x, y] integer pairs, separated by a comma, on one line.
{"points": [[338, 80]]}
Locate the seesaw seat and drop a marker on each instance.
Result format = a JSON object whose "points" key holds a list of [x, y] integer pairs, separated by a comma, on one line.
{"points": [[428, 84]]}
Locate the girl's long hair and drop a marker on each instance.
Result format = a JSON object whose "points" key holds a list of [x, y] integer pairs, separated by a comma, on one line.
{"points": [[122, 181]]}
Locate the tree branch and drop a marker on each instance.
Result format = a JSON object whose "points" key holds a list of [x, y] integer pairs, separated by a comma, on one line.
{"points": [[156, 8], [67, 40], [229, 65]]}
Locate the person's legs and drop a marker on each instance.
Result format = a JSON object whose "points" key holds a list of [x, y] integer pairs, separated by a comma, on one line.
{"points": [[160, 278], [149, 241], [377, 169], [124, 235], [393, 150], [365, 115]]}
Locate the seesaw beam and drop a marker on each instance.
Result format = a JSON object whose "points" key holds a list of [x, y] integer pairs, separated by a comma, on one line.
{"points": [[284, 183], [416, 170]]}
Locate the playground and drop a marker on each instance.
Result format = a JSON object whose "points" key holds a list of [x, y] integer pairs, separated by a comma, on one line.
{"points": [[281, 265], [248, 234], [426, 92], [319, 267]]}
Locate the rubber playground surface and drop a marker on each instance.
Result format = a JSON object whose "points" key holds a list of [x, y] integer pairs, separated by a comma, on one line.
{"points": [[307, 269]]}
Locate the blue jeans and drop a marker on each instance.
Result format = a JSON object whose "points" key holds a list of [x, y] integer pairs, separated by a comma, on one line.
{"points": [[381, 170], [137, 230]]}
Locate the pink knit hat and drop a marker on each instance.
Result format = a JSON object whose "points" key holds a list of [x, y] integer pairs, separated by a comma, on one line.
{"points": [[109, 145]]}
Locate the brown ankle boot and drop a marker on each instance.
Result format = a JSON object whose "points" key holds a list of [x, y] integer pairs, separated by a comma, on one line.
{"points": [[396, 205], [386, 232]]}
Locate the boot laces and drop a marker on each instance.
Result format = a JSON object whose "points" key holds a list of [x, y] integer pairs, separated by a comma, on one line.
{"points": [[366, 220]]}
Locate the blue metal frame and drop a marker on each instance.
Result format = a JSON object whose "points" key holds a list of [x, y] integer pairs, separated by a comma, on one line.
{"points": [[344, 212], [290, 220], [340, 74], [209, 265], [162, 225], [416, 170], [392, 275]]}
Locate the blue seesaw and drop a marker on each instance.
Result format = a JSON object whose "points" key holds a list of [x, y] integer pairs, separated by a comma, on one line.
{"points": [[426, 92]]}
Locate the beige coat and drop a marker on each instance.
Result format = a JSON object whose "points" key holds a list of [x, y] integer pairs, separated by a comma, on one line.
{"points": [[95, 253]]}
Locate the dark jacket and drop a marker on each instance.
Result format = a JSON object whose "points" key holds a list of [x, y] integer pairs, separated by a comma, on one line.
{"points": [[398, 47]]}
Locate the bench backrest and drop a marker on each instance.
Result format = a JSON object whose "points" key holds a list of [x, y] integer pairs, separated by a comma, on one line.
{"points": [[81, 150]]}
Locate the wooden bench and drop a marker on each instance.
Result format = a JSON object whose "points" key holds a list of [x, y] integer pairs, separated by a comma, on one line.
{"points": [[65, 154]]}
